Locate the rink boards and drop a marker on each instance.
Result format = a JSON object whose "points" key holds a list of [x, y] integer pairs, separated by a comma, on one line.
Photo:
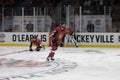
{"points": [[82, 39]]}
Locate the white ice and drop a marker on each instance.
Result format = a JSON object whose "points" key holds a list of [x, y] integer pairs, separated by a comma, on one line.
{"points": [[93, 63]]}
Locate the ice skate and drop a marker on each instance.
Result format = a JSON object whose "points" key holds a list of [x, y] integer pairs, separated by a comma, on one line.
{"points": [[52, 59], [48, 59]]}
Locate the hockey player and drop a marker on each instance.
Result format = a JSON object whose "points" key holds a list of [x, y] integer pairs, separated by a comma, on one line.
{"points": [[37, 42], [58, 36]]}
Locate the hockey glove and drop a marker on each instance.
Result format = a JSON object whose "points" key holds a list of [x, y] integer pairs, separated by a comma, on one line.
{"points": [[38, 48], [31, 49]]}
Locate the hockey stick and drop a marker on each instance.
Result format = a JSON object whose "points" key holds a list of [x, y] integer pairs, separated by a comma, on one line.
{"points": [[74, 41]]}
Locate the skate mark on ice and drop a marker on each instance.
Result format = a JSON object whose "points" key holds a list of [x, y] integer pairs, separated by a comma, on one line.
{"points": [[94, 52]]}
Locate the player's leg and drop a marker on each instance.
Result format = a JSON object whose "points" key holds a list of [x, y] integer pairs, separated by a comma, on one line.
{"points": [[54, 47], [52, 53]]}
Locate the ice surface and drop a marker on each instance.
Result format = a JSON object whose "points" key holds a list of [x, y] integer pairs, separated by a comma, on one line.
{"points": [[91, 63]]}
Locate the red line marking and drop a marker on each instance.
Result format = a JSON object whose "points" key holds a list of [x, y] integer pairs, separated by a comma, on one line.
{"points": [[24, 64], [27, 64], [13, 52]]}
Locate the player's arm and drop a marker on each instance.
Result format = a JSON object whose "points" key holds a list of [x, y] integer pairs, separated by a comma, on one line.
{"points": [[40, 45], [53, 34]]}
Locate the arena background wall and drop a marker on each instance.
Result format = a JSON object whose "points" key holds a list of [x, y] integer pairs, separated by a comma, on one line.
{"points": [[111, 40]]}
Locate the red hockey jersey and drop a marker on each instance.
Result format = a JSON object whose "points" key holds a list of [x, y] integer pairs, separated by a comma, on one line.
{"points": [[59, 34], [35, 42]]}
